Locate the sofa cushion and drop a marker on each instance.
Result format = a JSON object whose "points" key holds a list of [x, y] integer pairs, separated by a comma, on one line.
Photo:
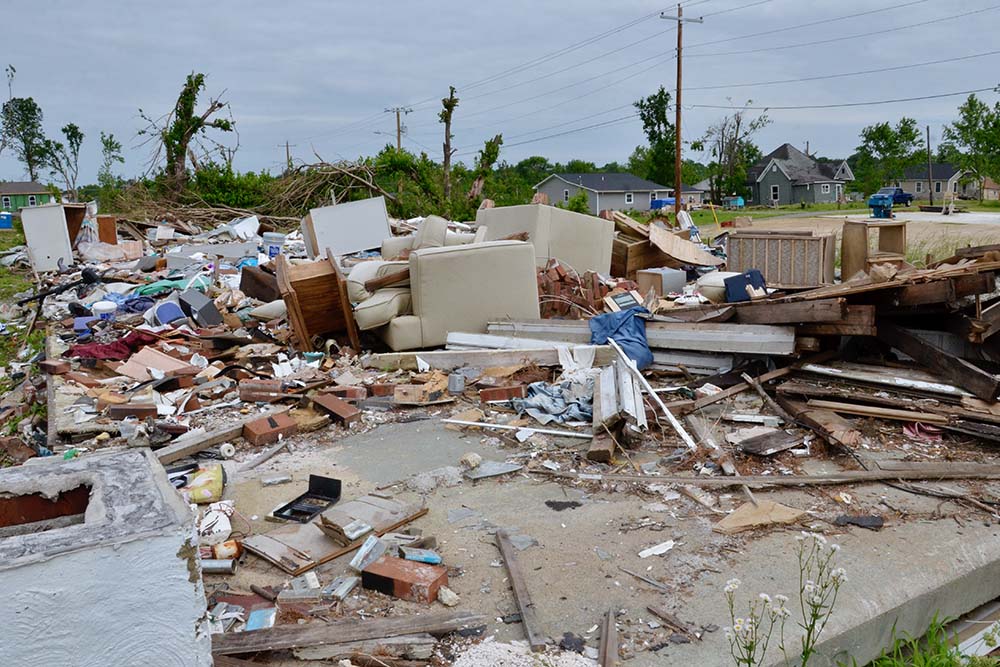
{"points": [[432, 233], [403, 333], [384, 305]]}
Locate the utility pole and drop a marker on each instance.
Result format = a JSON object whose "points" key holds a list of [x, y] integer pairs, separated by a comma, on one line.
{"points": [[930, 176], [399, 124], [288, 155], [677, 100]]}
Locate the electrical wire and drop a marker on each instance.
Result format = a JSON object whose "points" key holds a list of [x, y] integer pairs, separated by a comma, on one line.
{"points": [[873, 33]]}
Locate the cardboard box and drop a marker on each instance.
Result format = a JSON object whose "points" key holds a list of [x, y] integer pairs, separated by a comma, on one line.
{"points": [[662, 281]]}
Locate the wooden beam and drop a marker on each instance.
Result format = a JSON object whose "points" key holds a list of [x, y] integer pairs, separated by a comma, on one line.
{"points": [[285, 637], [951, 368], [386, 280], [859, 320], [763, 312], [519, 585], [828, 425], [934, 471], [882, 413], [608, 653], [199, 440]]}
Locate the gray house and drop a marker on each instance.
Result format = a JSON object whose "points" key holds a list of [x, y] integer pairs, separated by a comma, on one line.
{"points": [[945, 180], [789, 176], [621, 192]]}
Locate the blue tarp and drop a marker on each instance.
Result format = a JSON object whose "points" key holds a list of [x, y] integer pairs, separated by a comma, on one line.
{"points": [[628, 331]]}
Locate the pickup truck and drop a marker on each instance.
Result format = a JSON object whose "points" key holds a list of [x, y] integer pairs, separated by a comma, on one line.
{"points": [[899, 198]]}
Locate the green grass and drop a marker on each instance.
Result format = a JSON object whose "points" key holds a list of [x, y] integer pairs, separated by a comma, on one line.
{"points": [[934, 649], [11, 283]]}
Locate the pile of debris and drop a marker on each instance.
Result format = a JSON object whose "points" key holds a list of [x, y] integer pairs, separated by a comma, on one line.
{"points": [[221, 350]]}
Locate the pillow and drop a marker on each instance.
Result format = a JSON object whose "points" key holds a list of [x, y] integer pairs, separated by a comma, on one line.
{"points": [[382, 307]]}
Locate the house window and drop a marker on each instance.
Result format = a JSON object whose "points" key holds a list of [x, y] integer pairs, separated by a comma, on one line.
{"points": [[565, 195], [954, 186], [825, 188], [775, 192], [937, 186], [31, 200], [629, 198], [652, 197], [6, 202]]}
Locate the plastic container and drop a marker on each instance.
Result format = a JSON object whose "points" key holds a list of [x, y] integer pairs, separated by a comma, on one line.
{"points": [[6, 220], [273, 242], [105, 310]]}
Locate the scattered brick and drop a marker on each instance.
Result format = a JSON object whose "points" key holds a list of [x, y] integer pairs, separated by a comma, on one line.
{"points": [[383, 389], [138, 410], [340, 410], [502, 393], [405, 579], [268, 430], [54, 366]]}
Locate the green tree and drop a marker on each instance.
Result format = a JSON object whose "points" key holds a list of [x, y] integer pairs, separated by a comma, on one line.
{"points": [[886, 151], [183, 126], [579, 167], [579, 203], [448, 105], [728, 143], [661, 135], [534, 169], [22, 131], [976, 139], [63, 159], [111, 154]]}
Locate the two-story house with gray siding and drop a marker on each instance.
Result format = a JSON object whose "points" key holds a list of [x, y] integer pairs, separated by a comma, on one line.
{"points": [[621, 192], [789, 176]]}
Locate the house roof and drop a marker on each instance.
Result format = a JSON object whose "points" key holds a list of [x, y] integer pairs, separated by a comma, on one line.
{"points": [[940, 171], [609, 182], [22, 188], [797, 166]]}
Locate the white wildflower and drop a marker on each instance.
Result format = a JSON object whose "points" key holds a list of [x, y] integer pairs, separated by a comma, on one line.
{"points": [[783, 612], [816, 600], [732, 585], [765, 597], [839, 575], [834, 547], [781, 599], [819, 538]]}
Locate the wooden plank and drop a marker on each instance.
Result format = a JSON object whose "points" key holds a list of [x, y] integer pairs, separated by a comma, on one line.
{"points": [[608, 652], [385, 281], [934, 471], [602, 447], [683, 251], [953, 369], [822, 310], [828, 425], [894, 378], [285, 637], [859, 320], [452, 359], [882, 413], [519, 585], [198, 440]]}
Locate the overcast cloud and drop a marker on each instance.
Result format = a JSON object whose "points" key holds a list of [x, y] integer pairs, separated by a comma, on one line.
{"points": [[319, 73]]}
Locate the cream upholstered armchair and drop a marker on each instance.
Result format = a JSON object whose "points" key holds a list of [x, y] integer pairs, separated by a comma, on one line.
{"points": [[432, 233], [450, 288]]}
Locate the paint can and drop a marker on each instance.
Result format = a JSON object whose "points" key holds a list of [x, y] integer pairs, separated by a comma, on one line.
{"points": [[105, 310], [456, 383], [216, 566], [273, 243]]}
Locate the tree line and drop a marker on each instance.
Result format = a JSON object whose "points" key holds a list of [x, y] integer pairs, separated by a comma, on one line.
{"points": [[193, 145]]}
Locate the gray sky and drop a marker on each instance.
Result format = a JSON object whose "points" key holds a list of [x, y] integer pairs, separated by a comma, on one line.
{"points": [[319, 74]]}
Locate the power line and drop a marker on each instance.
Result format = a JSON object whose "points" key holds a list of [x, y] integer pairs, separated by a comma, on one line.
{"points": [[846, 37], [811, 23], [846, 74], [842, 105]]}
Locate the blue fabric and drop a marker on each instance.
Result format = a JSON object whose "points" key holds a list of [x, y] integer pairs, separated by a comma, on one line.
{"points": [[628, 331]]}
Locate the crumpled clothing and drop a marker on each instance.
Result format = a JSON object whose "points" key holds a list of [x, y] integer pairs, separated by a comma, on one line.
{"points": [[130, 303], [627, 330], [120, 350], [199, 282], [561, 403]]}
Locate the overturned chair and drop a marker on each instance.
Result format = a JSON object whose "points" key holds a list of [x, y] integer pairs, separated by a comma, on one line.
{"points": [[449, 288]]}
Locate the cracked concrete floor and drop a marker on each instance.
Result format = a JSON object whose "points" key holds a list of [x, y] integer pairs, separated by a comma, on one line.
{"points": [[574, 571]]}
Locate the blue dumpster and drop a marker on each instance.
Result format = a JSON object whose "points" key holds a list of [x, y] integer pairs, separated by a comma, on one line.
{"points": [[6, 220]]}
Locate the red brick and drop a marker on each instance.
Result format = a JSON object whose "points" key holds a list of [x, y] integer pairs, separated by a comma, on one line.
{"points": [[253, 390], [137, 410], [268, 430], [501, 393], [405, 579], [341, 411], [54, 366], [387, 389], [347, 393]]}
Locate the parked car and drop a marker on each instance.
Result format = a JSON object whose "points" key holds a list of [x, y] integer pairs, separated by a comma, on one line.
{"points": [[899, 198]]}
